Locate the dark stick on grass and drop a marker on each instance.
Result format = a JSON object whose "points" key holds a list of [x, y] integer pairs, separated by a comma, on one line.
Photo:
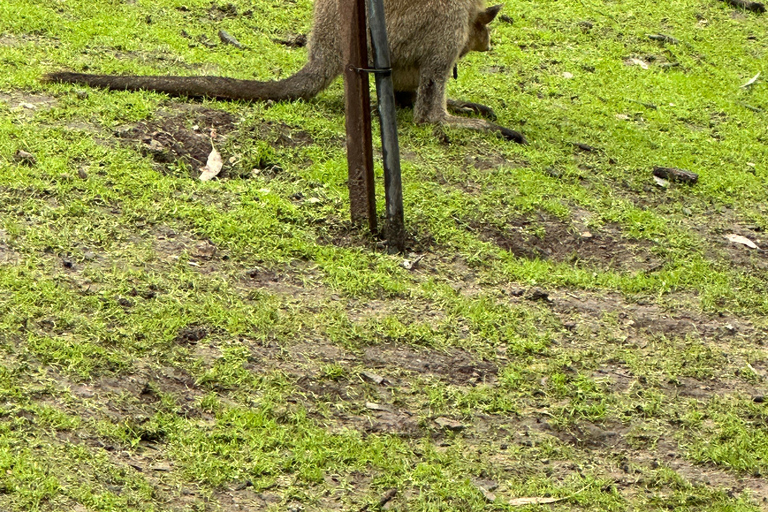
{"points": [[747, 4], [388, 496], [646, 105], [664, 38], [585, 147], [675, 174], [753, 109]]}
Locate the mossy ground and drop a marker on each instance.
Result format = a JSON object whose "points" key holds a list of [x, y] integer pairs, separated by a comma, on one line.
{"points": [[571, 329]]}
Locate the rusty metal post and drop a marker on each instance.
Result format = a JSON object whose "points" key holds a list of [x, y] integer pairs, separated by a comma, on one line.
{"points": [[362, 197]]}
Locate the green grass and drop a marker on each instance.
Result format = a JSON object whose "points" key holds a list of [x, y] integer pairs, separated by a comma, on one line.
{"points": [[169, 344]]}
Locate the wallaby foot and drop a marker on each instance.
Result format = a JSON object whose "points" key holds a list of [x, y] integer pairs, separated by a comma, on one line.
{"points": [[485, 126], [407, 99], [467, 107]]}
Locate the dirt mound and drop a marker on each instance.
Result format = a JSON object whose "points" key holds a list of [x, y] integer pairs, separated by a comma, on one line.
{"points": [[553, 239], [457, 367], [179, 137]]}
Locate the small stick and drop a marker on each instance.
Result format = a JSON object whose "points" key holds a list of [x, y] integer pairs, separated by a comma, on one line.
{"points": [[585, 147], [675, 174], [750, 107], [663, 38], [646, 105], [383, 501]]}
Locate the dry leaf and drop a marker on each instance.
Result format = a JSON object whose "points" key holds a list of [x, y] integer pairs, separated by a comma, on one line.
{"points": [[738, 239], [636, 62], [488, 495], [212, 167], [449, 424], [228, 38], [519, 502], [661, 182], [567, 75], [372, 377], [23, 157], [751, 81], [376, 407]]}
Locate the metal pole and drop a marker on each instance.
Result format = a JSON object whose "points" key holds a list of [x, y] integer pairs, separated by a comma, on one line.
{"points": [[393, 188], [362, 197]]}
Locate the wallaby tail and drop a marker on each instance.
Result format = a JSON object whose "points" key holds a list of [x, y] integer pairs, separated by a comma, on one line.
{"points": [[305, 84]]}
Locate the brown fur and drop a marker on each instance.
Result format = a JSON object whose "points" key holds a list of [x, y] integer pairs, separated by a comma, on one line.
{"points": [[426, 38]]}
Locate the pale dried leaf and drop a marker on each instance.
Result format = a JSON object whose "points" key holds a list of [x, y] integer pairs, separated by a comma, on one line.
{"points": [[488, 495], [449, 424], [567, 75], [661, 182], [519, 502], [376, 407], [751, 80], [738, 239], [636, 62], [372, 377], [212, 167]]}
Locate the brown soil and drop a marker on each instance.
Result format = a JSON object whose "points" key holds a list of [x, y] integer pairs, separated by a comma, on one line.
{"points": [[28, 103], [604, 248], [180, 137]]}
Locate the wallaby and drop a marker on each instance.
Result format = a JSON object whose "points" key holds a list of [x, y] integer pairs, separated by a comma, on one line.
{"points": [[426, 40]]}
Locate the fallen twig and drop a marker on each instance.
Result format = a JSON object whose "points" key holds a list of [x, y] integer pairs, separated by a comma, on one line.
{"points": [[753, 109], [646, 105], [675, 174], [519, 502], [383, 501], [585, 147], [664, 38]]}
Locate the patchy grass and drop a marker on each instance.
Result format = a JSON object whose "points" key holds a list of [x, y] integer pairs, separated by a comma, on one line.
{"points": [[572, 329]]}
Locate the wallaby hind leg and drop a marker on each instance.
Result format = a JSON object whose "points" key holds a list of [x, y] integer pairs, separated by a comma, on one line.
{"points": [[467, 107], [430, 106], [407, 99]]}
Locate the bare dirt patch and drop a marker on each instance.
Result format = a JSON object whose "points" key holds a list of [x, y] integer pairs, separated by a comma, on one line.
{"points": [[492, 160], [643, 317], [7, 255], [180, 137], [28, 103], [456, 366], [342, 233], [553, 239], [283, 135]]}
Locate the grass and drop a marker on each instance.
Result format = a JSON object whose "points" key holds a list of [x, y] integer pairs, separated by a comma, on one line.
{"points": [[572, 330]]}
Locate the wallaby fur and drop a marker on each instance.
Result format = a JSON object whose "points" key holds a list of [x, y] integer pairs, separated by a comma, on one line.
{"points": [[426, 39]]}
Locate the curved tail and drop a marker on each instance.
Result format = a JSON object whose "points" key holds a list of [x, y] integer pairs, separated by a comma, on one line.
{"points": [[304, 84]]}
